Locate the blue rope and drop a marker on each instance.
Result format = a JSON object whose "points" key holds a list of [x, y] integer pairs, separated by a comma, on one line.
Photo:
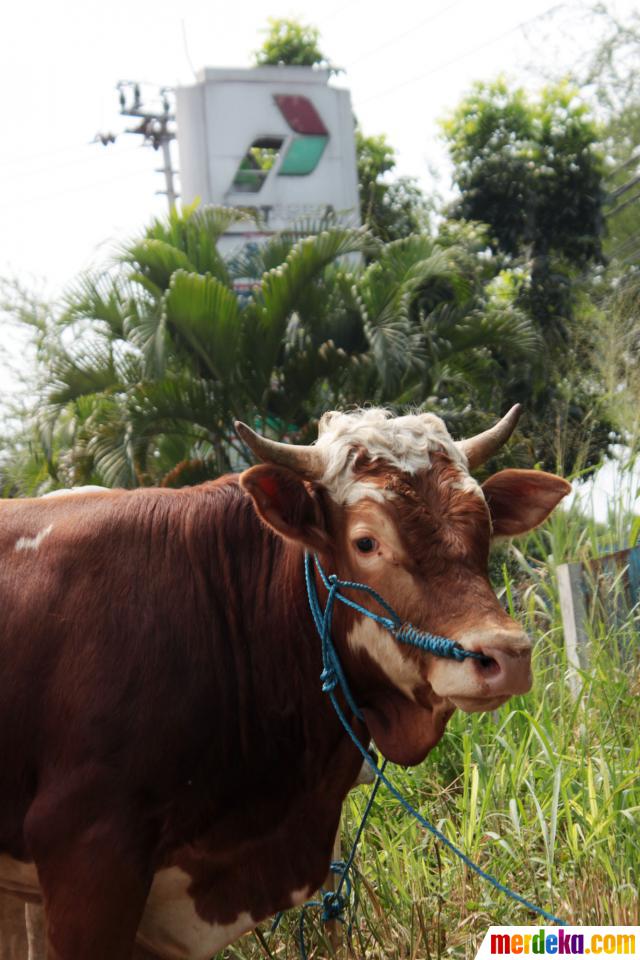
{"points": [[344, 879], [332, 672], [434, 830], [403, 632], [430, 643], [333, 676], [333, 902]]}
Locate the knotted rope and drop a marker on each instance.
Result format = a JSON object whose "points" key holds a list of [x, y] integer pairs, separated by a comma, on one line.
{"points": [[334, 903]]}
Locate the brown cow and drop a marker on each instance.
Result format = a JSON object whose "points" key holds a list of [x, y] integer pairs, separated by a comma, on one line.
{"points": [[171, 772]]}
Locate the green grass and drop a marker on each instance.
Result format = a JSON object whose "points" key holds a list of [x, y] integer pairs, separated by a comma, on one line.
{"points": [[544, 793]]}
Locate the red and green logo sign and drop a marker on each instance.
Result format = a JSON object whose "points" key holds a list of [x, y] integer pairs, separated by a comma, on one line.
{"points": [[303, 152]]}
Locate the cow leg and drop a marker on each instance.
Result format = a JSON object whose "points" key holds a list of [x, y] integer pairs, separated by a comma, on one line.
{"points": [[93, 898], [92, 876], [13, 934], [93, 906], [34, 917]]}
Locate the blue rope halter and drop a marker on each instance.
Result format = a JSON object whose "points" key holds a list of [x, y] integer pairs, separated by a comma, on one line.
{"points": [[403, 632], [333, 676]]}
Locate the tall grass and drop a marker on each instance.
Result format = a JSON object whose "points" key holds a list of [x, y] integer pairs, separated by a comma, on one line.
{"points": [[544, 793]]}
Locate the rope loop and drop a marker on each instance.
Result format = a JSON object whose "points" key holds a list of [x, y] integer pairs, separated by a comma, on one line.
{"points": [[333, 906], [329, 679], [341, 869]]}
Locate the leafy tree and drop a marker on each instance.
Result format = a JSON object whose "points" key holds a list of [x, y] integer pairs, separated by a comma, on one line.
{"points": [[611, 69], [612, 75], [376, 157], [145, 366], [616, 350], [291, 43], [608, 77], [532, 170], [622, 139], [392, 209]]}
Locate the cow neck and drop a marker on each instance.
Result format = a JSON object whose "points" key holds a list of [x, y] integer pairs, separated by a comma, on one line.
{"points": [[275, 642], [261, 749], [294, 608]]}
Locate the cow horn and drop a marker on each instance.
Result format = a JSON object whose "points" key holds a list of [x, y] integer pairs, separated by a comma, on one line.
{"points": [[480, 448], [305, 460]]}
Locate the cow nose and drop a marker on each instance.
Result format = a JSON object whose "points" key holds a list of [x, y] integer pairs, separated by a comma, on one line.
{"points": [[505, 671]]}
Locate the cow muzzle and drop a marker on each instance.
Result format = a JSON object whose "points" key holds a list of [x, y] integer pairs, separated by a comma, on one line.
{"points": [[485, 684]]}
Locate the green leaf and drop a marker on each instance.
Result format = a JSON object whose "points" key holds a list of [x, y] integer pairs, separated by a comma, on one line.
{"points": [[206, 314], [282, 288], [157, 261], [96, 298]]}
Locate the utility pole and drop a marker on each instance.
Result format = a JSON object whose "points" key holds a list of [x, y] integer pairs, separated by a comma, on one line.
{"points": [[156, 126]]}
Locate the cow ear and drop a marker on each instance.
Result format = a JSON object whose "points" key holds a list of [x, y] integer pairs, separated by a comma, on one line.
{"points": [[285, 503], [519, 500]]}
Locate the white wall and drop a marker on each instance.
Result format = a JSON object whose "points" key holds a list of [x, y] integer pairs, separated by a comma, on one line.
{"points": [[227, 109]]}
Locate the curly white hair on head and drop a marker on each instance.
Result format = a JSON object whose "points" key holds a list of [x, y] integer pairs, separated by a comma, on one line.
{"points": [[405, 442]]}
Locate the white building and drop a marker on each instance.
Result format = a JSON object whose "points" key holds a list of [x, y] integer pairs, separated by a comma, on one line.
{"points": [[277, 140]]}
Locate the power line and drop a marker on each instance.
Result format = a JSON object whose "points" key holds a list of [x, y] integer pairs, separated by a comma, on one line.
{"points": [[462, 56], [620, 191], [406, 33], [185, 44], [340, 9], [623, 166], [59, 166], [45, 154], [625, 244], [22, 200], [623, 206]]}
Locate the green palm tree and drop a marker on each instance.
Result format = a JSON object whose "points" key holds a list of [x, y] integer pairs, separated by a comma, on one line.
{"points": [[145, 367]]}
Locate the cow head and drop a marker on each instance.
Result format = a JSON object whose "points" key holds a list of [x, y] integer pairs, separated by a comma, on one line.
{"points": [[390, 502]]}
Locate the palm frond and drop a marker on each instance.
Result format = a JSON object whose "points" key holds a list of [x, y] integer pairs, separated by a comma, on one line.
{"points": [[72, 377], [196, 231], [281, 288], [181, 405], [403, 267], [113, 452], [98, 299], [146, 330], [206, 315], [156, 261]]}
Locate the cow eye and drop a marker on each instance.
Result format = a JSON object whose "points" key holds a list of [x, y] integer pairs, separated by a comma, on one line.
{"points": [[366, 544]]}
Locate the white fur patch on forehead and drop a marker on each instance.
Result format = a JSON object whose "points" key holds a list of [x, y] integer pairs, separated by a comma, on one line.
{"points": [[405, 442]]}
